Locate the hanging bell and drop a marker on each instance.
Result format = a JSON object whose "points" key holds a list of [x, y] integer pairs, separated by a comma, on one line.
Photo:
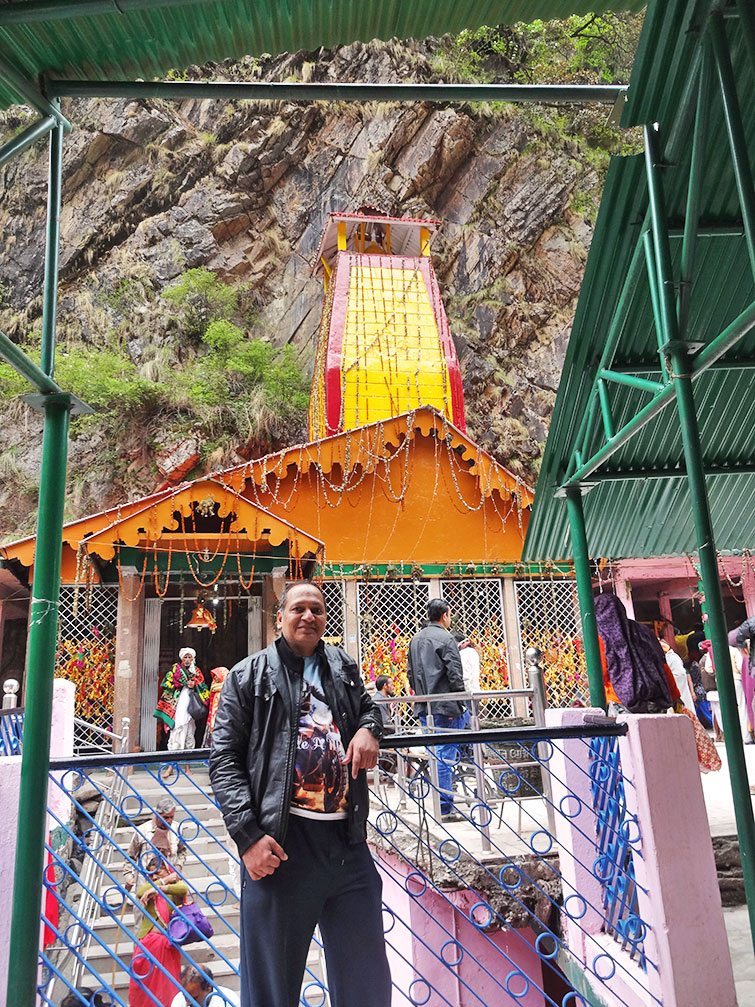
{"points": [[201, 617]]}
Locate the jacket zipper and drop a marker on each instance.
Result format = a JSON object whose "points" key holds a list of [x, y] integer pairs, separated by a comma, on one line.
{"points": [[293, 733]]}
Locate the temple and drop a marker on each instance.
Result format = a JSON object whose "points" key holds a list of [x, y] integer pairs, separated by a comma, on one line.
{"points": [[384, 346], [389, 503]]}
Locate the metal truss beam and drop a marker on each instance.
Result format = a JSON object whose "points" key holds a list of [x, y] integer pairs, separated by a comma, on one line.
{"points": [[187, 90], [25, 138], [653, 367], [29, 11], [664, 471], [29, 94]]}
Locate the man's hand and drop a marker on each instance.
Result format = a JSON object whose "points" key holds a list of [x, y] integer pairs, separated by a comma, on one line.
{"points": [[363, 751], [263, 857]]}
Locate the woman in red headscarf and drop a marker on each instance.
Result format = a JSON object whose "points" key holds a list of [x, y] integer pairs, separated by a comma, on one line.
{"points": [[218, 677]]}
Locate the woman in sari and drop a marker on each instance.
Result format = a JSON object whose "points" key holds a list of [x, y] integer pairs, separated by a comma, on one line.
{"points": [[156, 961]]}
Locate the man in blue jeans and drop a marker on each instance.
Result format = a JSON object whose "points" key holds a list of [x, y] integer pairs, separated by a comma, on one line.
{"points": [[434, 667]]}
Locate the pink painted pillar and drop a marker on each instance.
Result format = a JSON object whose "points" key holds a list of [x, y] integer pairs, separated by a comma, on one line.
{"points": [[623, 591], [748, 588], [664, 604], [678, 895], [61, 746], [678, 886], [10, 782]]}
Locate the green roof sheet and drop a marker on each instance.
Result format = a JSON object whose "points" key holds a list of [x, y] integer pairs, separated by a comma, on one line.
{"points": [[105, 40], [650, 514]]}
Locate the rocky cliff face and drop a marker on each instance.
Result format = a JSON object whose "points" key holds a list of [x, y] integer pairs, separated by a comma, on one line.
{"points": [[154, 188]]}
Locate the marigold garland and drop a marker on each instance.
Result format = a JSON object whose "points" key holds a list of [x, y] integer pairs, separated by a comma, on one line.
{"points": [[89, 664]]}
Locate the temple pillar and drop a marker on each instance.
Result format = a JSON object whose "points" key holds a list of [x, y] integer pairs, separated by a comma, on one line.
{"points": [[623, 591], [664, 605], [748, 588], [129, 643]]}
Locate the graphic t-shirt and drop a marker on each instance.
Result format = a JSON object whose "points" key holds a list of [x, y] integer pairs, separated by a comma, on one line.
{"points": [[321, 779]]}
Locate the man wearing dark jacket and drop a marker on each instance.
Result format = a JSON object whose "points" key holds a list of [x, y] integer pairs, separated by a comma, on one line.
{"points": [[292, 720], [434, 666]]}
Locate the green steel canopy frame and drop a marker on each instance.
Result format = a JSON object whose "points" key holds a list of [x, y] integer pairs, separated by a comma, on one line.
{"points": [[53, 48], [667, 315]]}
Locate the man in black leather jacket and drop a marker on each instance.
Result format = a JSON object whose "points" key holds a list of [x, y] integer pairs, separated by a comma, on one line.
{"points": [[434, 667], [292, 720]]}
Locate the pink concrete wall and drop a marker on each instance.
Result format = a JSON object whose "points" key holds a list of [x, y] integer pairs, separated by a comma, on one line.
{"points": [[61, 745], [10, 781], [678, 891], [436, 952], [683, 904]]}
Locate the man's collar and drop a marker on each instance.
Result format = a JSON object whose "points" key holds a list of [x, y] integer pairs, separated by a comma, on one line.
{"points": [[291, 659]]}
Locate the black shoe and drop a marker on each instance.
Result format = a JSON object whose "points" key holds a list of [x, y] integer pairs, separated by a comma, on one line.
{"points": [[452, 816]]}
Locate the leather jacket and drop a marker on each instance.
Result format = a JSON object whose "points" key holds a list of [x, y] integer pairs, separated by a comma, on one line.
{"points": [[434, 665], [255, 735]]}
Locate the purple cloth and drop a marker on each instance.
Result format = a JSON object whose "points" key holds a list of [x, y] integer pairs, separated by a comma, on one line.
{"points": [[634, 659]]}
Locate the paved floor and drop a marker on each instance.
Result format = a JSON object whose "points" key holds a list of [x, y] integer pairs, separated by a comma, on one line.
{"points": [[720, 805]]}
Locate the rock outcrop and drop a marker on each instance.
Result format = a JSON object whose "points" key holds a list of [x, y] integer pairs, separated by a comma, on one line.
{"points": [[152, 189]]}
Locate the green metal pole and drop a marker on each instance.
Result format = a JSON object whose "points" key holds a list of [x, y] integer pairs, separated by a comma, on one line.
{"points": [[717, 622], [52, 253], [629, 379], [43, 628], [585, 595], [29, 11], [605, 407], [25, 90], [25, 137], [737, 135], [682, 374], [182, 90], [35, 762], [696, 172], [16, 356], [747, 28]]}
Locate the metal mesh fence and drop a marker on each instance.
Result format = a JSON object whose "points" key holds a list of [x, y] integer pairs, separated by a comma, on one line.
{"points": [[390, 613], [549, 620], [477, 611], [333, 593], [85, 655]]}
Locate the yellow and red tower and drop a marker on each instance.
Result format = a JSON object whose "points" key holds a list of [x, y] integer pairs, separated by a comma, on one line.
{"points": [[384, 346]]}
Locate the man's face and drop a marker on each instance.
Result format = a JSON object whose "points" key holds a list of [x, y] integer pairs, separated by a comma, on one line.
{"points": [[164, 820], [186, 660], [388, 689], [445, 619], [195, 990], [302, 621]]}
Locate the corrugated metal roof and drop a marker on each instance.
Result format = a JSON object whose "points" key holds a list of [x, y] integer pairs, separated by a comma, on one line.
{"points": [[652, 516], [146, 38]]}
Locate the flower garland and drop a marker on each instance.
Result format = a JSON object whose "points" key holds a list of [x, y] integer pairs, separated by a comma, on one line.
{"points": [[89, 664]]}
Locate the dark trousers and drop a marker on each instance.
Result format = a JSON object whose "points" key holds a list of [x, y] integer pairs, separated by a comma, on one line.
{"points": [[327, 881]]}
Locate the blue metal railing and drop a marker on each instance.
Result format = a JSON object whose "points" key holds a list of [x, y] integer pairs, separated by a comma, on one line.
{"points": [[11, 731], [618, 836], [474, 910]]}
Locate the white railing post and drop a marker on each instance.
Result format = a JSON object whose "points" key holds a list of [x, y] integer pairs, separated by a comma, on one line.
{"points": [[10, 694]]}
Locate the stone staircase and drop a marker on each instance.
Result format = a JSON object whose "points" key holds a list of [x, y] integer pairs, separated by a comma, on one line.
{"points": [[209, 867]]}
